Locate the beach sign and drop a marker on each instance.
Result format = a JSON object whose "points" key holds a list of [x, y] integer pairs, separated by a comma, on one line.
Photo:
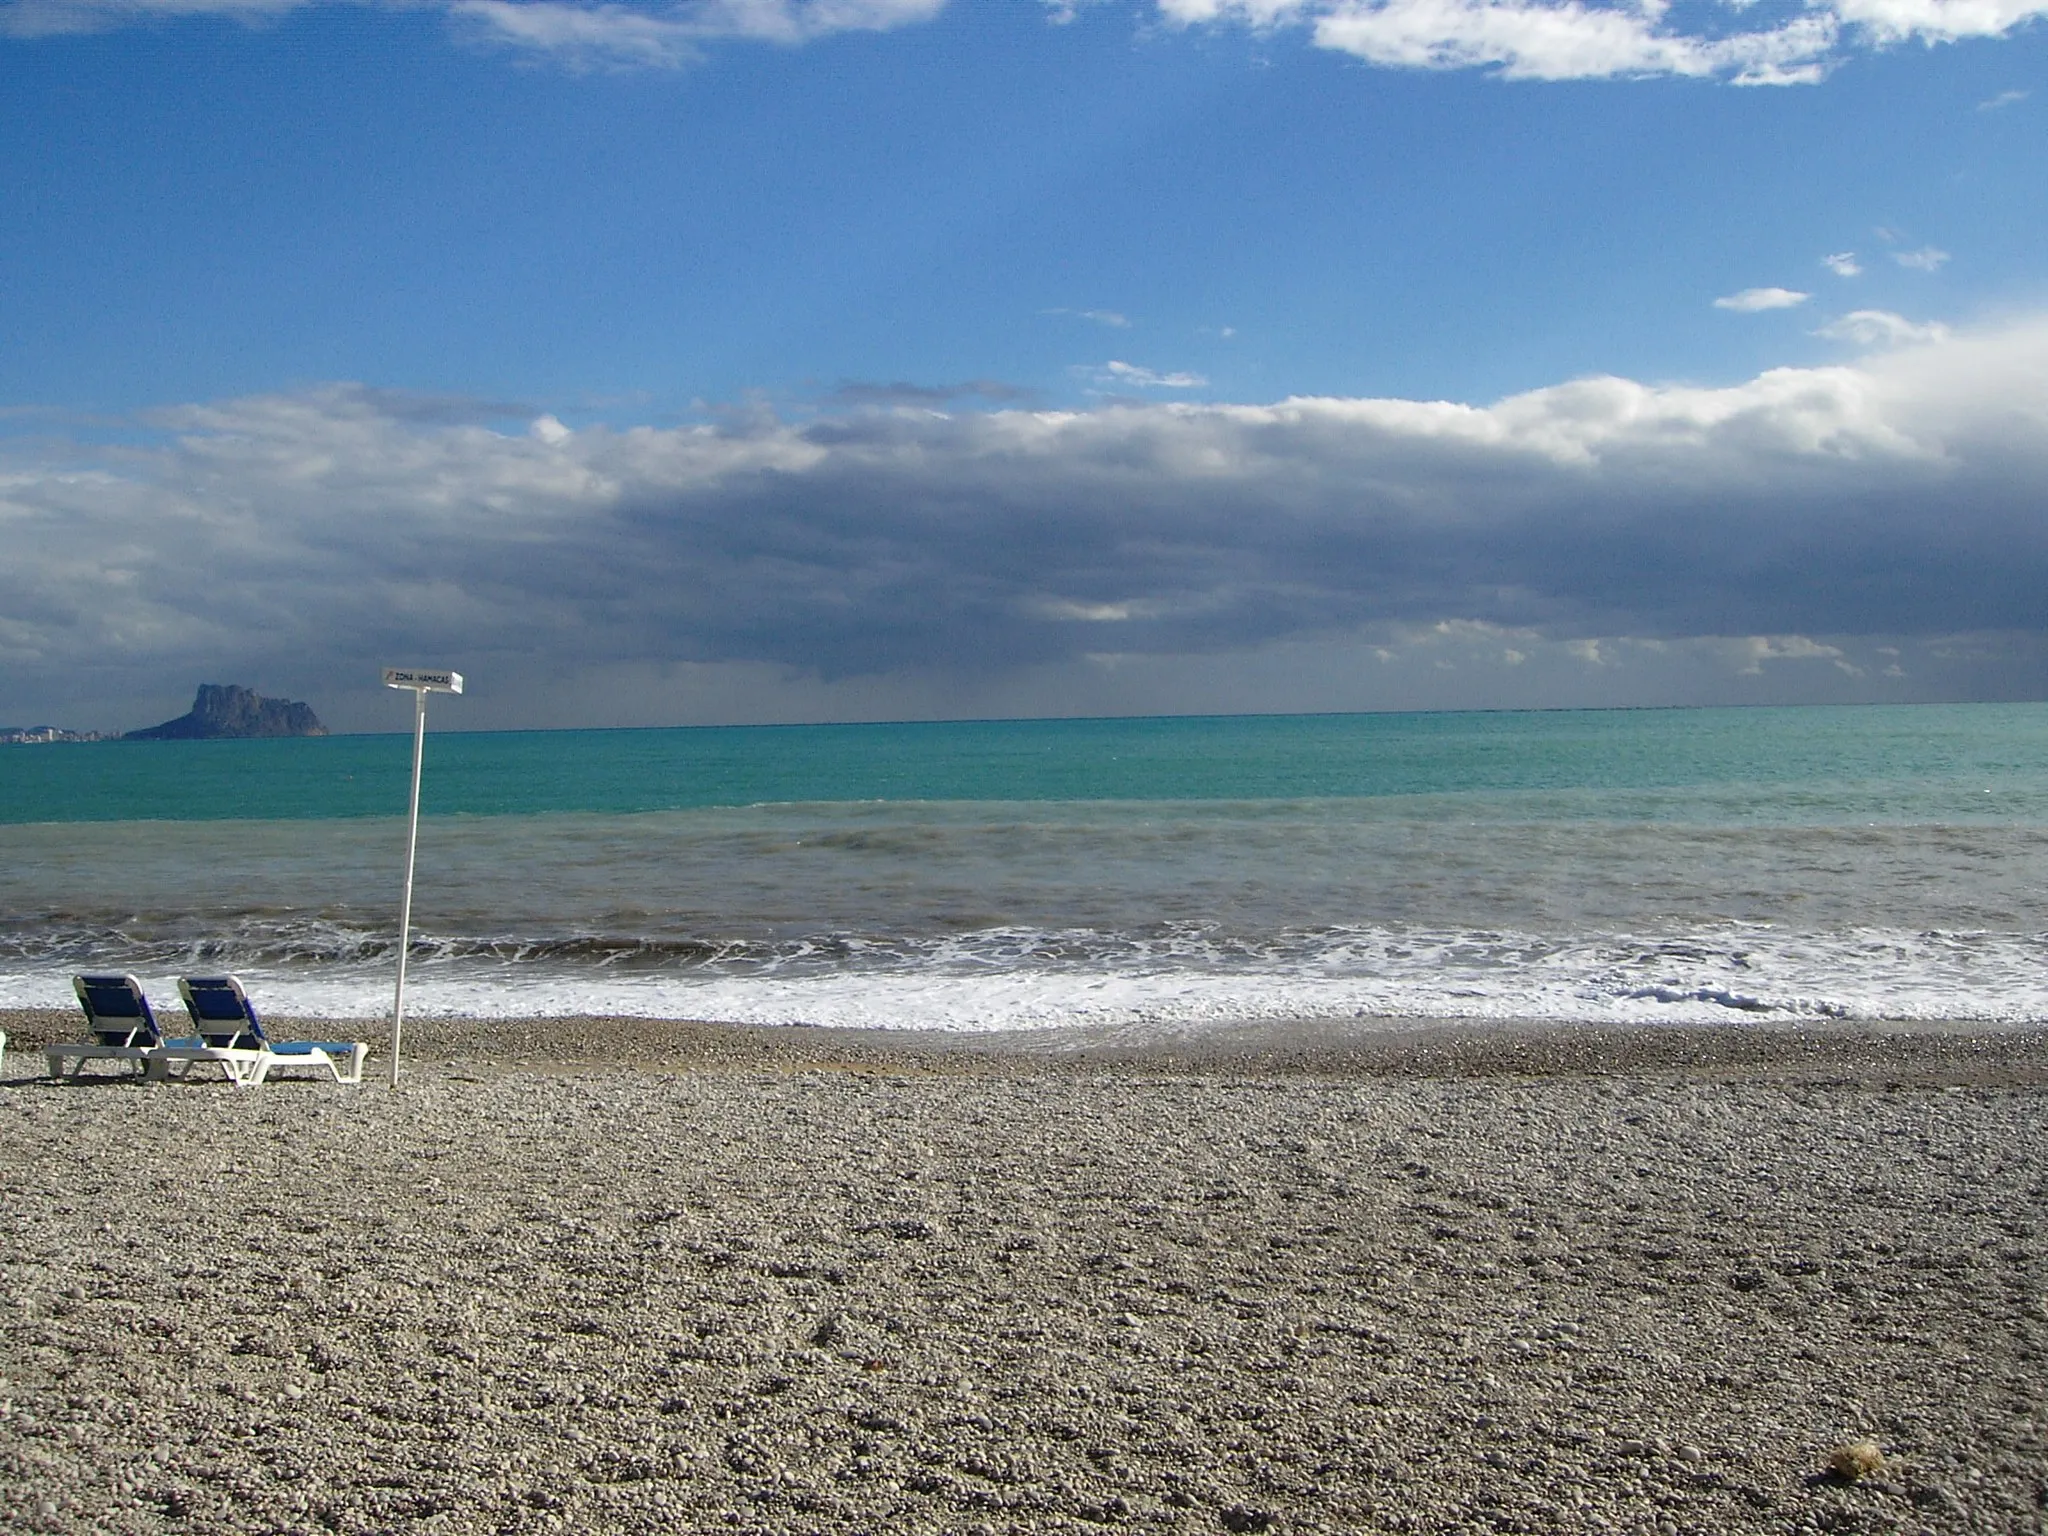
{"points": [[422, 681]]}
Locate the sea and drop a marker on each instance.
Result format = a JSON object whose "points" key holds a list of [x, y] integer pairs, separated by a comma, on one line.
{"points": [[1140, 878]]}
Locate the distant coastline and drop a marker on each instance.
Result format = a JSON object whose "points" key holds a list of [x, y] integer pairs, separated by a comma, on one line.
{"points": [[219, 712], [40, 735]]}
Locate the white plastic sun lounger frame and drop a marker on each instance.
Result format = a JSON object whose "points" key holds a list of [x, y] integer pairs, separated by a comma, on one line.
{"points": [[174, 1062], [341, 1060], [127, 1025], [221, 1011], [57, 1057]]}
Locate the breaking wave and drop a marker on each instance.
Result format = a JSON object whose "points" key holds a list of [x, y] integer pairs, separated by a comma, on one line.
{"points": [[1167, 979]]}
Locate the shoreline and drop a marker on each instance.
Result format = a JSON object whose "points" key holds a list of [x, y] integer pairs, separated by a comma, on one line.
{"points": [[1861, 1051]]}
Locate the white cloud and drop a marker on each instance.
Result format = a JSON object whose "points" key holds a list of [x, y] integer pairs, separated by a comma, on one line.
{"points": [[1464, 642], [1115, 320], [1066, 610], [1882, 328], [1750, 652], [1518, 39], [582, 36], [1753, 300], [51, 18], [1937, 21], [2001, 100], [1827, 510], [1926, 259], [1535, 39], [1064, 11], [1528, 39], [1130, 376], [801, 21], [1843, 264], [1573, 40], [621, 36]]}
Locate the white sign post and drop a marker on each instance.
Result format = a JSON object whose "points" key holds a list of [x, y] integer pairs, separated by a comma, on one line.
{"points": [[421, 683]]}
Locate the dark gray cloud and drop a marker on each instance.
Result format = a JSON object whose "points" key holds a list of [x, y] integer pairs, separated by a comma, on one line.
{"points": [[1833, 524]]}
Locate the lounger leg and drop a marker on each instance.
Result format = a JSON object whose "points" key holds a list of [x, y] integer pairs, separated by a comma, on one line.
{"points": [[240, 1073]]}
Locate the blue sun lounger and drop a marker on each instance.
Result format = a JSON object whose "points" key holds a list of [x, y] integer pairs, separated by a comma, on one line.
{"points": [[227, 1021], [123, 1028]]}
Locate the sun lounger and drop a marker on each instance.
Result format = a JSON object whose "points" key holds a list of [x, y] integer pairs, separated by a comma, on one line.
{"points": [[227, 1021], [123, 1028]]}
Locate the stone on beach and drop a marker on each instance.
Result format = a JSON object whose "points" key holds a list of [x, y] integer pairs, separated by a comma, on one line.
{"points": [[1856, 1460]]}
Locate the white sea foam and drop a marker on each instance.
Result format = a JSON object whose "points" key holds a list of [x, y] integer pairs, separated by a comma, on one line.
{"points": [[1009, 979]]}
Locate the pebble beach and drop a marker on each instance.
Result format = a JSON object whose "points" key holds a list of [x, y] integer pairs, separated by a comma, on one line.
{"points": [[618, 1275]]}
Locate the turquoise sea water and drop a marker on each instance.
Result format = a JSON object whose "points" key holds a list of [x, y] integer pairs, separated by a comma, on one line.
{"points": [[1144, 874], [1883, 760]]}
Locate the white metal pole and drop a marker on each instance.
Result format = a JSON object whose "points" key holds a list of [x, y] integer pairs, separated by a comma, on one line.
{"points": [[412, 843]]}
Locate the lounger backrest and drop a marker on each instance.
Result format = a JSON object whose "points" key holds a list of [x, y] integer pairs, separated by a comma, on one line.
{"points": [[117, 1011], [221, 1012]]}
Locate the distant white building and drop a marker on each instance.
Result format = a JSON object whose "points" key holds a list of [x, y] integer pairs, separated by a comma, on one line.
{"points": [[27, 735]]}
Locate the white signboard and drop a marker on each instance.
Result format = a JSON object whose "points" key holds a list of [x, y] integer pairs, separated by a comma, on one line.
{"points": [[416, 677]]}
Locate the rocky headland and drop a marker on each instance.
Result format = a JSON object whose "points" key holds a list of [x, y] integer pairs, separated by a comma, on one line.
{"points": [[227, 711]]}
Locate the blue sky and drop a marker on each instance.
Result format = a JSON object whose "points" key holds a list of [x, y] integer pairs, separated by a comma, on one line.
{"points": [[903, 357]]}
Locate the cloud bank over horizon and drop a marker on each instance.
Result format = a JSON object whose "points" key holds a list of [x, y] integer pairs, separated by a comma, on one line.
{"points": [[1865, 531], [1739, 41]]}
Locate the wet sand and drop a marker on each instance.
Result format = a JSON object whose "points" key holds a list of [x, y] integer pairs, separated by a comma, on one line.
{"points": [[621, 1275]]}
